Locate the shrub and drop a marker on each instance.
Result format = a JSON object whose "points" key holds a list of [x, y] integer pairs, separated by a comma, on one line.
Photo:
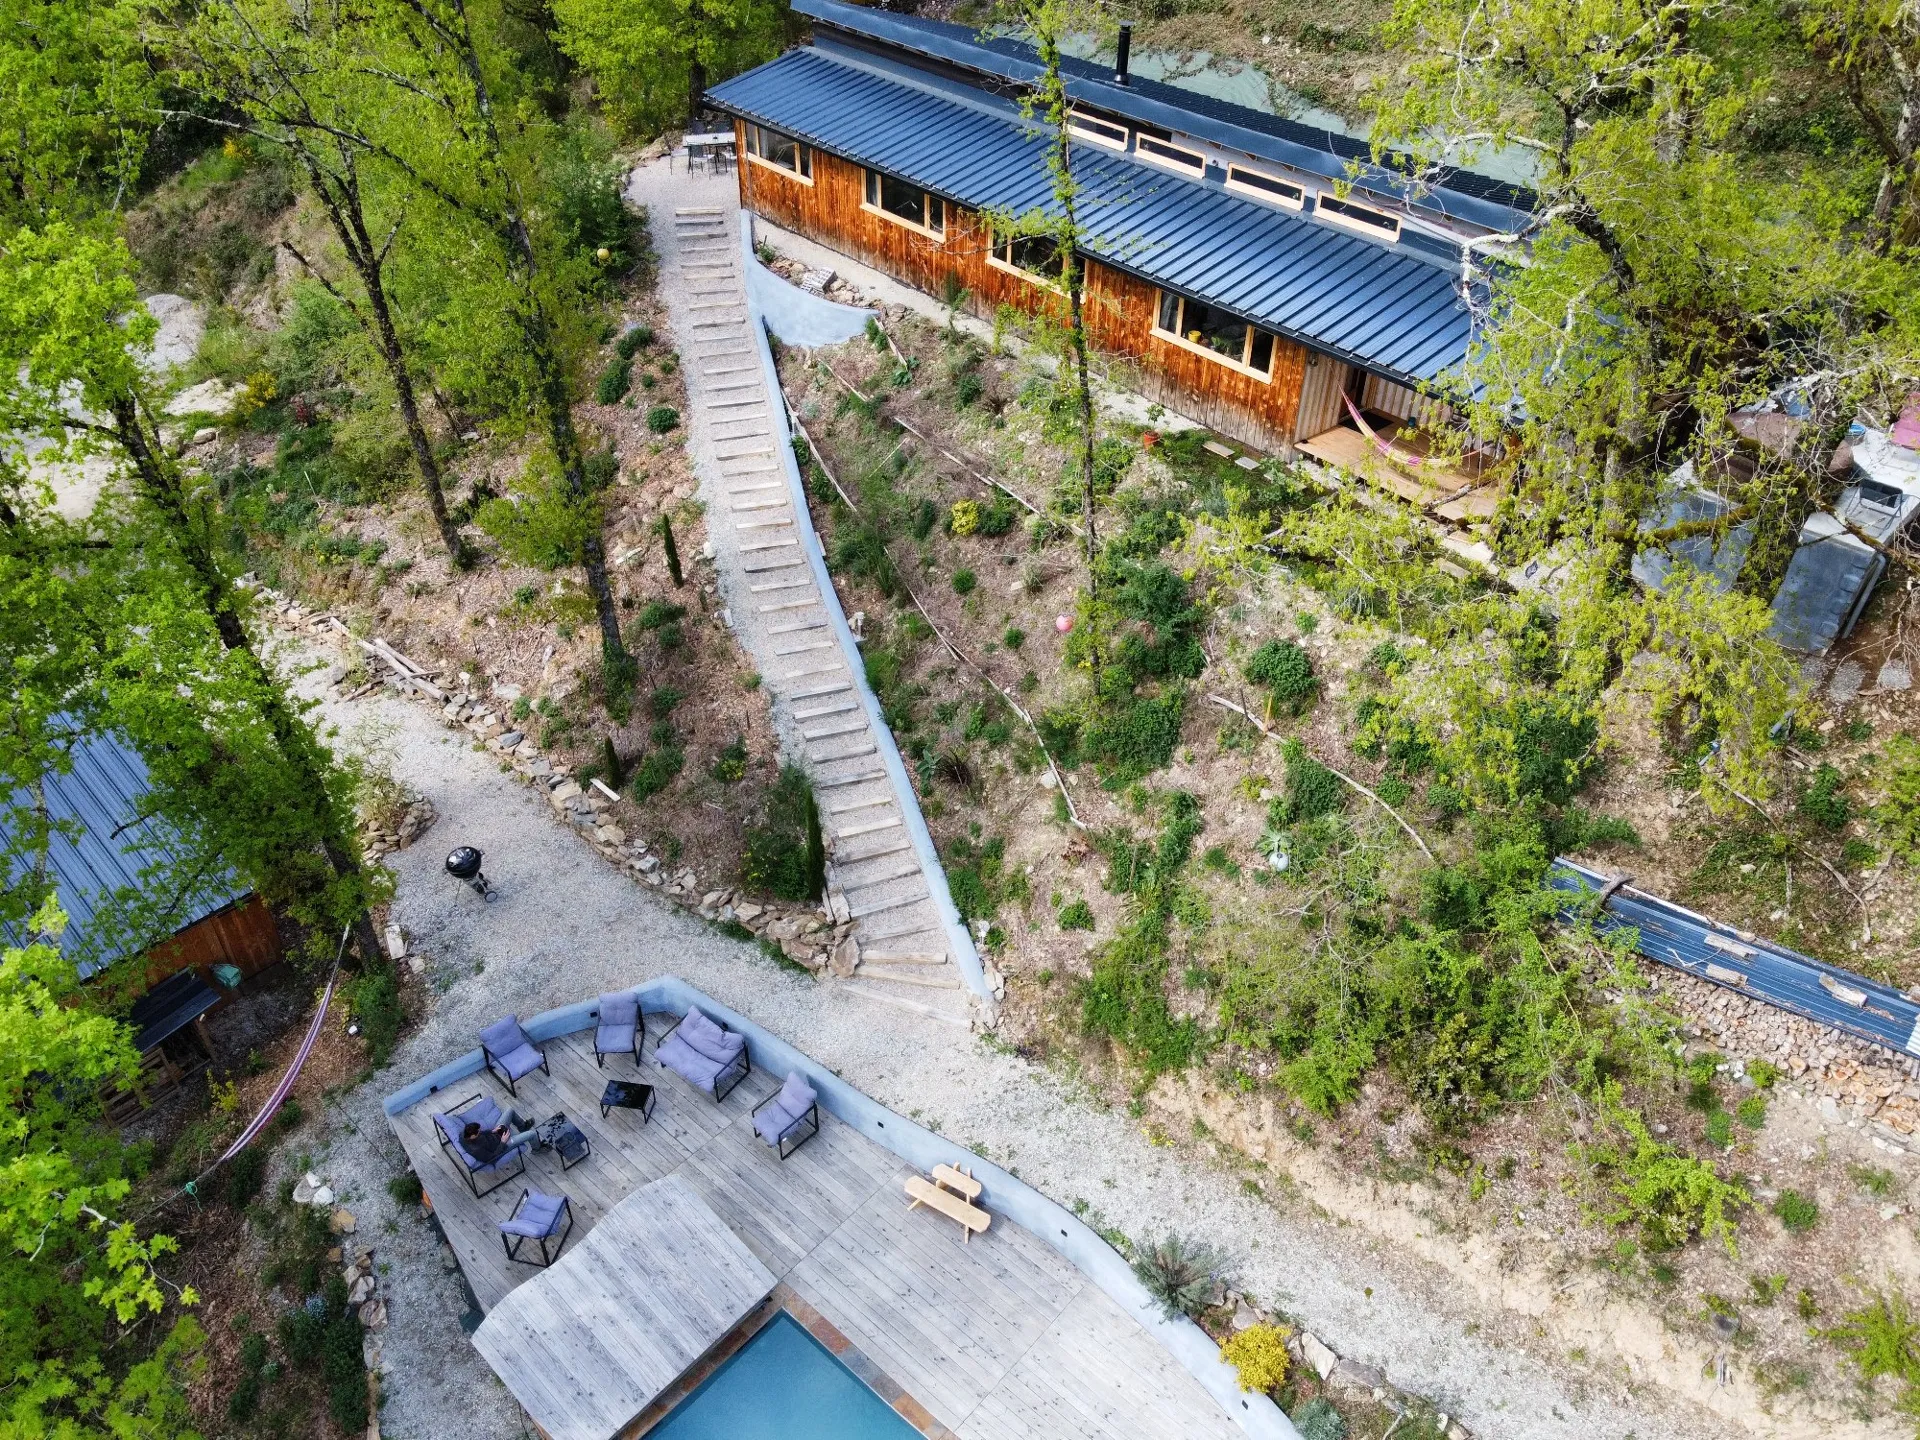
{"points": [[1752, 1111], [1799, 1213], [632, 339], [1259, 1353], [615, 381], [1720, 1129], [658, 614], [1824, 802], [1318, 1420], [1874, 1180], [1014, 638], [662, 418], [1311, 789], [374, 999], [964, 518], [1183, 1274], [1134, 738], [1077, 916], [246, 1173], [730, 765], [776, 857], [1882, 1337], [964, 581], [1286, 672], [656, 771], [301, 1334], [1898, 815], [1669, 1196], [405, 1188], [245, 1399]]}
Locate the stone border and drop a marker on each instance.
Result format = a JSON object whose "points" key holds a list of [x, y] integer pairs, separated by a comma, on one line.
{"points": [[1070, 1237], [965, 957]]}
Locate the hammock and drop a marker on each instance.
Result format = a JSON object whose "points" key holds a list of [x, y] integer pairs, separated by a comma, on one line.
{"points": [[1397, 457], [285, 1087]]}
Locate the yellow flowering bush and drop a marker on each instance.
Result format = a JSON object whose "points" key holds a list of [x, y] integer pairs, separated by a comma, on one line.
{"points": [[966, 517], [1259, 1353]]}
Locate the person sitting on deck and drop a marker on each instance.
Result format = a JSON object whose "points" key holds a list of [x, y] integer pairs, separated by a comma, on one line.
{"points": [[487, 1146]]}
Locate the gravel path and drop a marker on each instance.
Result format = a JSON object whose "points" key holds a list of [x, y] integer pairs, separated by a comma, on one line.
{"points": [[568, 926]]}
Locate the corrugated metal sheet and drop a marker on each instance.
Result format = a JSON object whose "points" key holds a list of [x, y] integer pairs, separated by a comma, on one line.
{"points": [[1460, 194], [1722, 955], [1336, 291], [104, 852]]}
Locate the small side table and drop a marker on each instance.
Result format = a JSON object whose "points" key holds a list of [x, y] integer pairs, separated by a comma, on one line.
{"points": [[572, 1145], [628, 1095]]}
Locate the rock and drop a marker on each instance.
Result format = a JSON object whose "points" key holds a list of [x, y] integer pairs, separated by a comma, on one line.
{"points": [[503, 743], [209, 397], [1317, 1355], [611, 834], [373, 1314], [713, 899], [205, 435], [845, 958], [449, 1262], [322, 1197], [1245, 1317], [648, 865], [333, 1255], [417, 964], [396, 942], [746, 912], [304, 1187], [361, 1290], [1351, 1375], [783, 929], [566, 790], [341, 1222], [1848, 677]]}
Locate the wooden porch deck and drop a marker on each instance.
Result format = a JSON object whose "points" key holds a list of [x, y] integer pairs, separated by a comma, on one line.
{"points": [[1456, 492], [1000, 1339]]}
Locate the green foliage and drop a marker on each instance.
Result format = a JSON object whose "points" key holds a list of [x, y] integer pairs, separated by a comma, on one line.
{"points": [[1163, 642], [245, 1174], [633, 340], [1669, 1196], [1798, 1213], [1825, 801], [650, 58], [373, 998], [978, 877], [1078, 915], [1130, 738], [656, 771], [1014, 637], [658, 614], [662, 418], [1898, 814], [543, 523], [1752, 1111], [1182, 1273], [1286, 671], [730, 765], [775, 858], [1318, 1420], [1882, 1338], [405, 1188], [963, 582], [1311, 788], [615, 381]]}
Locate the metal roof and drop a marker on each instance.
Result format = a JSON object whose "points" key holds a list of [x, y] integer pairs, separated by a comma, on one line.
{"points": [[106, 849], [1459, 194], [1378, 306], [1742, 962]]}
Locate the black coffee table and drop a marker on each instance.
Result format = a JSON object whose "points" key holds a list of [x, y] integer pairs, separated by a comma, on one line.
{"points": [[562, 1135], [627, 1095]]}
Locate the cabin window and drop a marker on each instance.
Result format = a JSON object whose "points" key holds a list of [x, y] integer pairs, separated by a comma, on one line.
{"points": [[1037, 257], [1363, 218], [908, 204], [1100, 132], [1216, 334], [1263, 186], [780, 152], [1174, 157]]}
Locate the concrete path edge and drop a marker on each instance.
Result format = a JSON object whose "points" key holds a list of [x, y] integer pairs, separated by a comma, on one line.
{"points": [[1070, 1237], [835, 316]]}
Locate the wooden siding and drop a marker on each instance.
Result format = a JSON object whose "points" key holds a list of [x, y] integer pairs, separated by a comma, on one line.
{"points": [[1320, 396], [1120, 308], [244, 935]]}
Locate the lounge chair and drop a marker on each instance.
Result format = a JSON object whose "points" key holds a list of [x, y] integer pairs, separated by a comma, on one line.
{"points": [[482, 1110], [789, 1117], [508, 1052], [620, 1031], [537, 1217], [706, 1055]]}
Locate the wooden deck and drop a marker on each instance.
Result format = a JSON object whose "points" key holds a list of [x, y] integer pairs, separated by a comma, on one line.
{"points": [[1456, 493], [1000, 1339]]}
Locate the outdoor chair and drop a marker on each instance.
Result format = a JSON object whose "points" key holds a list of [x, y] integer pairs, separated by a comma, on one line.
{"points": [[537, 1217], [508, 1052], [620, 1031], [789, 1117], [481, 1110], [706, 1055]]}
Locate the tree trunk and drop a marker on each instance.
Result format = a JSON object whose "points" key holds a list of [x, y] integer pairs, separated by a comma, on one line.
{"points": [[161, 484]]}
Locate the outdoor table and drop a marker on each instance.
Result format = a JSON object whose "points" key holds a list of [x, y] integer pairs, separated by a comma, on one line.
{"points": [[709, 146], [627, 1095], [566, 1137]]}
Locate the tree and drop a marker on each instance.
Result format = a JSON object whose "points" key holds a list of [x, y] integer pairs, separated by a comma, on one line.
{"points": [[429, 113], [652, 60], [1873, 48], [277, 66], [76, 104], [218, 721], [1663, 287]]}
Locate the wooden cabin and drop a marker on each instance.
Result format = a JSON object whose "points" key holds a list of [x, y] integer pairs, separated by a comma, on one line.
{"points": [[105, 844], [1224, 276]]}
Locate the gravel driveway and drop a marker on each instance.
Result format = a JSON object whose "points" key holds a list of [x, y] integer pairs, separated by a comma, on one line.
{"points": [[568, 926]]}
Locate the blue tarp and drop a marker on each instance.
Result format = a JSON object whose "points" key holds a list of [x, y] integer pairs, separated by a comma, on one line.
{"points": [[1742, 962]]}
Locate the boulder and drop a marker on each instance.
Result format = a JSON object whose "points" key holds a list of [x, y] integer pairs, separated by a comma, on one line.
{"points": [[1317, 1354], [1352, 1376], [845, 958], [341, 1222], [361, 1290]]}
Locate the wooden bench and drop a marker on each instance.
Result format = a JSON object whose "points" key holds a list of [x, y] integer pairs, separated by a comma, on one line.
{"points": [[958, 1181], [924, 1192]]}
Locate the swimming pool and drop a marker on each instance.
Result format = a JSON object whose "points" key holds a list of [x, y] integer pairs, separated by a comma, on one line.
{"points": [[783, 1385]]}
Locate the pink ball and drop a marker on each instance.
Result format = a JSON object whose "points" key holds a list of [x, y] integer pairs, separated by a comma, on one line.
{"points": [[1063, 623]]}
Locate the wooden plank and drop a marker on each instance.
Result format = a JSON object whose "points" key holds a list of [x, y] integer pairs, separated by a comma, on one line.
{"points": [[973, 1220]]}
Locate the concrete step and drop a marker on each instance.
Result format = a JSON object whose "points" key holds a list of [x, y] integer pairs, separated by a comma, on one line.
{"points": [[926, 977], [904, 957], [901, 1002]]}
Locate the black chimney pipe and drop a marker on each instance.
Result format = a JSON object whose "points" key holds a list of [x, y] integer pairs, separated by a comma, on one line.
{"points": [[1126, 50]]}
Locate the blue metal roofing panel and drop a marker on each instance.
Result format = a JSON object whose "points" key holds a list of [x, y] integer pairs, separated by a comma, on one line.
{"points": [[1676, 936], [106, 848], [1826, 582], [1386, 309], [1460, 194]]}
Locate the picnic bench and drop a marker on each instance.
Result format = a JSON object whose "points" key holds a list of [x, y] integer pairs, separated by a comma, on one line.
{"points": [[952, 1193]]}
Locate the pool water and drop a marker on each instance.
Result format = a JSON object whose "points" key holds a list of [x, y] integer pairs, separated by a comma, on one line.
{"points": [[783, 1385]]}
